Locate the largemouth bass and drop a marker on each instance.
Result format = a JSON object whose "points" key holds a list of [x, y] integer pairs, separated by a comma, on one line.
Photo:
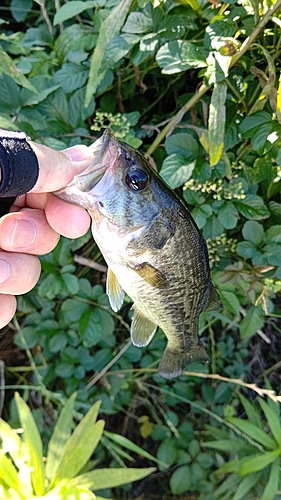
{"points": [[153, 248]]}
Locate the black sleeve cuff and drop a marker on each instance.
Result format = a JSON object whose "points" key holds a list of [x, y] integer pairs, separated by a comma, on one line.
{"points": [[18, 164]]}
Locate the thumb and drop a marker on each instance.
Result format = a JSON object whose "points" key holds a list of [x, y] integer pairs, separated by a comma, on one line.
{"points": [[57, 168]]}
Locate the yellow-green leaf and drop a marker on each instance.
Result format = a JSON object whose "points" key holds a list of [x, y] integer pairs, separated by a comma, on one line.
{"points": [[33, 442], [216, 125]]}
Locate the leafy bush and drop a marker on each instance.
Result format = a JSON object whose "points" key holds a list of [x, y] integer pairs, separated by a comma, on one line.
{"points": [[195, 86]]}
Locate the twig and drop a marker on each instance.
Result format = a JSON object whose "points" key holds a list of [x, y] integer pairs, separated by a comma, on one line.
{"points": [[46, 17], [108, 366], [89, 263], [238, 381]]}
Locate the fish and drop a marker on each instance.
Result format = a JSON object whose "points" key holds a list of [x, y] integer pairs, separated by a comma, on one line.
{"points": [[152, 246]]}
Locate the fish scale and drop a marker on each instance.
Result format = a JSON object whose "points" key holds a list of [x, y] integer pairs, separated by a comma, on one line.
{"points": [[153, 248]]}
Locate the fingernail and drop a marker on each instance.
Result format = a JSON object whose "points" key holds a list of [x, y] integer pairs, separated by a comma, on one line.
{"points": [[5, 271], [77, 153], [23, 234]]}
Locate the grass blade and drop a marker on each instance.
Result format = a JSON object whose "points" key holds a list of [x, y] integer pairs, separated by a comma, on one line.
{"points": [[59, 437], [33, 443], [110, 478]]}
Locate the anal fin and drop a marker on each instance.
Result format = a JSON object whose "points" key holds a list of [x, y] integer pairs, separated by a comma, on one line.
{"points": [[114, 291], [142, 329]]}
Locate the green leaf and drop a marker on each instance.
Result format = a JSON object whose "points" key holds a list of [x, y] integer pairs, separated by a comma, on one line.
{"points": [[253, 232], [253, 432], [230, 302], [138, 22], [110, 478], [258, 463], [213, 228], [251, 411], [20, 9], [253, 321], [182, 144], [8, 67], [59, 438], [108, 30], [181, 480], [252, 207], [33, 443], [272, 484], [246, 249], [179, 55], [90, 327], [216, 125], [231, 445], [246, 485], [273, 234], [273, 420], [228, 215], [176, 170], [79, 446], [129, 445], [71, 9], [71, 76]]}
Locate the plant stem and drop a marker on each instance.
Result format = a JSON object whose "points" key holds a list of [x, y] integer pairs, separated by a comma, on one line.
{"points": [[203, 89]]}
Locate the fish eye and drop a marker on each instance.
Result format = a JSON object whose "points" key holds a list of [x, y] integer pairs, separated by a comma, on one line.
{"points": [[136, 179]]}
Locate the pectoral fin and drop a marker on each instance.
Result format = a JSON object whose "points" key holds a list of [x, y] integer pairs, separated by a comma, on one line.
{"points": [[114, 291], [142, 329], [151, 275], [214, 300]]}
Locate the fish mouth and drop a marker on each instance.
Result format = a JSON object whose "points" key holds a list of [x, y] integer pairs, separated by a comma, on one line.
{"points": [[87, 180]]}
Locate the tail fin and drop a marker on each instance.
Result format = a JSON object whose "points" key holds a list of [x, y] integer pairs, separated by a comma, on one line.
{"points": [[173, 362]]}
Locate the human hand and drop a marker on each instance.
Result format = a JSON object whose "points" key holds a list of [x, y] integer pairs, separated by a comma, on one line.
{"points": [[36, 221]]}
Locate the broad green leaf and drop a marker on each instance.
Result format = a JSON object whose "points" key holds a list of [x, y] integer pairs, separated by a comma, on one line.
{"points": [[258, 463], [181, 480], [33, 443], [252, 207], [179, 55], [20, 9], [71, 76], [176, 170], [273, 421], [109, 29], [213, 228], [8, 67], [182, 144], [246, 485], [79, 446], [230, 302], [216, 125], [228, 215], [253, 321], [253, 432], [274, 234], [71, 9], [272, 484], [253, 231], [246, 249], [90, 327], [110, 478], [59, 437], [138, 22]]}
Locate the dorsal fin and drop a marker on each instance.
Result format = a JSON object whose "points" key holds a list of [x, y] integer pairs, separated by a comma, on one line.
{"points": [[214, 301]]}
